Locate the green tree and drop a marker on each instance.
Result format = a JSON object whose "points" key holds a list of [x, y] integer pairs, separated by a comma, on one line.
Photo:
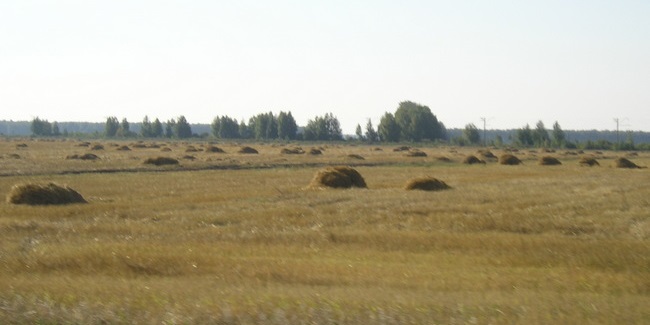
{"points": [[146, 130], [388, 129], [472, 134], [170, 126], [540, 135], [323, 128], [111, 126], [371, 134], [182, 128], [124, 130], [358, 132], [157, 128], [559, 138], [264, 126], [55, 129], [418, 123], [287, 126], [225, 127], [244, 131], [524, 136], [41, 127]]}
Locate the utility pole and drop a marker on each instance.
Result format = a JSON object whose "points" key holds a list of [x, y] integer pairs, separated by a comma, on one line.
{"points": [[484, 126]]}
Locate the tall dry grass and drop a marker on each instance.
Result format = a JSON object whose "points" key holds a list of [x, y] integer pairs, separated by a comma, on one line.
{"points": [[504, 245]]}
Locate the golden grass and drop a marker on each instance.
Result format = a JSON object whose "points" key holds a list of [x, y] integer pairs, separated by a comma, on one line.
{"points": [[527, 245]]}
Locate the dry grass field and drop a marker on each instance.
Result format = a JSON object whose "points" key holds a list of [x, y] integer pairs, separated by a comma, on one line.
{"points": [[235, 238]]}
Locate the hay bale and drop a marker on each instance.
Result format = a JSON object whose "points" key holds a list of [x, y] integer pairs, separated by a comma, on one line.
{"points": [[88, 156], [588, 161], [35, 194], [21, 145], [487, 154], [315, 152], [188, 157], [549, 161], [444, 159], [97, 147], [247, 150], [416, 153], [508, 159], [402, 148], [426, 184], [471, 160], [160, 161], [622, 162], [123, 148], [213, 149], [84, 144], [166, 149], [14, 156], [338, 177], [292, 151], [355, 156]]}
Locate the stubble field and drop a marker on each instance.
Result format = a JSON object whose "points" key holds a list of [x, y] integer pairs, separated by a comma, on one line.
{"points": [[238, 238]]}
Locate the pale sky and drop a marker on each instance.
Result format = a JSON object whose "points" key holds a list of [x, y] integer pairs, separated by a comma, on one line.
{"points": [[581, 63]]}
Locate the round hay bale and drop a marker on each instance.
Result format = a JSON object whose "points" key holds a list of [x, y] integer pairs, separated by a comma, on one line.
{"points": [[416, 153], [248, 150], [315, 152], [139, 145], [471, 160], [14, 156], [49, 194], [444, 159], [84, 144], [166, 149], [188, 157], [213, 149], [508, 159], [160, 161], [355, 156], [338, 177], [123, 148], [487, 154], [549, 161], [292, 151], [622, 162], [426, 184], [402, 148], [89, 156], [97, 147], [588, 161]]}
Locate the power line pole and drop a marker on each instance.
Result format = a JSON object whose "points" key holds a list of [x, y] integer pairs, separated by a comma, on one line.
{"points": [[484, 128]]}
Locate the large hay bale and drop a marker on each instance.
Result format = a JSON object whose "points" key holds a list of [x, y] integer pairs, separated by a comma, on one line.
{"points": [[315, 152], [97, 147], [214, 149], [35, 194], [88, 156], [486, 154], [160, 161], [402, 148], [471, 159], [355, 156], [443, 159], [338, 177], [588, 161], [292, 151], [508, 159], [426, 184], [622, 162], [248, 150], [549, 161], [416, 153], [123, 148]]}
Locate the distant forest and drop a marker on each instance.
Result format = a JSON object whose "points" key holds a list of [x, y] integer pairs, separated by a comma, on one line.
{"points": [[88, 129]]}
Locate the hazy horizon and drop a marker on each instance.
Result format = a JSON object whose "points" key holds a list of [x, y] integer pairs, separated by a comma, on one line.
{"points": [[581, 63]]}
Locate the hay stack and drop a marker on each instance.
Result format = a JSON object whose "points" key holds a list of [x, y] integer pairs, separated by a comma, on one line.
{"points": [[426, 184], [444, 159], [160, 161], [549, 161], [123, 148], [355, 156], [625, 163], [487, 154], [470, 160], [416, 153], [314, 151], [588, 161], [508, 159], [166, 149], [338, 177], [97, 147], [248, 150], [292, 151], [34, 194], [214, 149], [88, 156], [402, 148]]}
